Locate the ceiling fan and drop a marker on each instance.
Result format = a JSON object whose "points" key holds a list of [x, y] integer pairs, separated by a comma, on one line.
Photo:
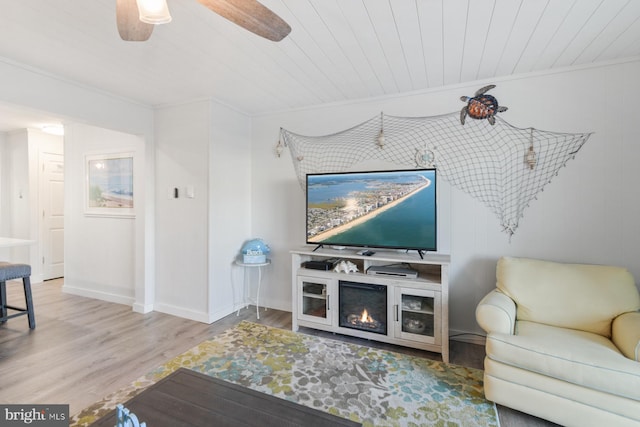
{"points": [[136, 18]]}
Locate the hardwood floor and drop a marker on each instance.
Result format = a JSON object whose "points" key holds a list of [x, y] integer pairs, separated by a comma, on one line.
{"points": [[83, 349]]}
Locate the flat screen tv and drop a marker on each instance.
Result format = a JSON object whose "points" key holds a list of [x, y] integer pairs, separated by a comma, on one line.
{"points": [[377, 209]]}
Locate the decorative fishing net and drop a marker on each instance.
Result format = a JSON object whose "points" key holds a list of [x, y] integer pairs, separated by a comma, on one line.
{"points": [[503, 166]]}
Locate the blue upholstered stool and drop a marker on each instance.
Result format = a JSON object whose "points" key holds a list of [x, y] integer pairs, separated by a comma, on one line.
{"points": [[10, 271]]}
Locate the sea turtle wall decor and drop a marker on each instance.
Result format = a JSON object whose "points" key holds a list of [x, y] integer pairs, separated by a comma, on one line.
{"points": [[481, 106]]}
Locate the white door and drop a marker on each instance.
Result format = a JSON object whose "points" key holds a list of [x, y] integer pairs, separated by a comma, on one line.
{"points": [[52, 202]]}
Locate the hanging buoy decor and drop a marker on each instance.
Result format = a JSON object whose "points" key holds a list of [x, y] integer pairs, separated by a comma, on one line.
{"points": [[530, 157]]}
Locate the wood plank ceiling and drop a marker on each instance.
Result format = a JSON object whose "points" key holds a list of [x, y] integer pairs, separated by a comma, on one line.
{"points": [[338, 50]]}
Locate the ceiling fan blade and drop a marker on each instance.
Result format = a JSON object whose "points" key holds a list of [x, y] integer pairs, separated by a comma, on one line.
{"points": [[251, 15], [130, 27]]}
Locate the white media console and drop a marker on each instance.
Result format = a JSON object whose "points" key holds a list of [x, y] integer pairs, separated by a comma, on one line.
{"points": [[388, 304]]}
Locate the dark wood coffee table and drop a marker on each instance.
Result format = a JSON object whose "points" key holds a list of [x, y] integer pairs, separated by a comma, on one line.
{"points": [[189, 398]]}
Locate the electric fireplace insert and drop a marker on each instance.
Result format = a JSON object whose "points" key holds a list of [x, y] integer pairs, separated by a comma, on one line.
{"points": [[363, 306]]}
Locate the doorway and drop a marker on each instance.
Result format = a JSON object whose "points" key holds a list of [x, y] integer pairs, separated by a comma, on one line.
{"points": [[52, 205]]}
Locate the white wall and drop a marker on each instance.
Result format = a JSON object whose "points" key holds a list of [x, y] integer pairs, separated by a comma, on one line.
{"points": [[20, 174], [100, 252], [19, 192], [182, 158], [205, 146], [230, 170], [37, 90], [587, 214], [17, 199], [4, 189]]}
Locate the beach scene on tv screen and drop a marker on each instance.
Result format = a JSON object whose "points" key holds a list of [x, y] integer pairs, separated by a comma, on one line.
{"points": [[375, 209]]}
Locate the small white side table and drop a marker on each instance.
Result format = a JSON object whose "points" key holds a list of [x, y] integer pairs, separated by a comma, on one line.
{"points": [[246, 288]]}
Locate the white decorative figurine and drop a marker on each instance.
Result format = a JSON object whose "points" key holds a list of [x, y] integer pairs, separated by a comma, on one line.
{"points": [[346, 267]]}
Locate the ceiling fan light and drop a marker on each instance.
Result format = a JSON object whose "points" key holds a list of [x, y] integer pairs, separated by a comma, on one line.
{"points": [[154, 11]]}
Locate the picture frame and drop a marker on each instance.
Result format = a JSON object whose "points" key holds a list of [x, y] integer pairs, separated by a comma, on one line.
{"points": [[109, 189]]}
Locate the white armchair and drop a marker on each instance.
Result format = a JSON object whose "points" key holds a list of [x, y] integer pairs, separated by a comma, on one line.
{"points": [[563, 342]]}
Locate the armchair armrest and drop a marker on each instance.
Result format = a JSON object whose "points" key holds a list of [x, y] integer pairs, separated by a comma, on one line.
{"points": [[496, 312], [625, 334]]}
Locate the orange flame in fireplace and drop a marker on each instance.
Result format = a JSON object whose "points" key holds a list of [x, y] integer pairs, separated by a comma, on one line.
{"points": [[365, 317]]}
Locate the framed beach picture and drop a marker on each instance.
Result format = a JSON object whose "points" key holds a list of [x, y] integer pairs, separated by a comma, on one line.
{"points": [[109, 185]]}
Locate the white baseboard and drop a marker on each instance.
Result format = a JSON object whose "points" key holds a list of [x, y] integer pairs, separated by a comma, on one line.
{"points": [[142, 308], [465, 336], [101, 295], [219, 314], [198, 316]]}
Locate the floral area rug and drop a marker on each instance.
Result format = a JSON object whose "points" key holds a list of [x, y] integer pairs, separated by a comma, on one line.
{"points": [[371, 386]]}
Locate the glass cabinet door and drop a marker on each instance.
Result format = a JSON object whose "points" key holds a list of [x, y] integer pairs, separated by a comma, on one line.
{"points": [[314, 300], [417, 316]]}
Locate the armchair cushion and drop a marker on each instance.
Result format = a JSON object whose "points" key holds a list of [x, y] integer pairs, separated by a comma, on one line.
{"points": [[582, 358], [626, 334], [576, 296]]}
